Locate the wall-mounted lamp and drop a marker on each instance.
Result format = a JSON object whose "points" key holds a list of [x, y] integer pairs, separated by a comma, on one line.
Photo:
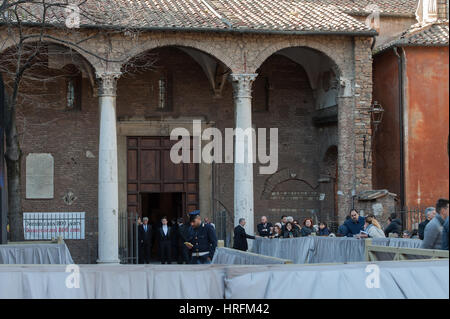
{"points": [[376, 115]]}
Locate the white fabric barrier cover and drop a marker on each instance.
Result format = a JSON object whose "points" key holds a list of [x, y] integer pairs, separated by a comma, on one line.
{"points": [[35, 254], [295, 249], [406, 279], [228, 256], [416, 279], [113, 281], [314, 249]]}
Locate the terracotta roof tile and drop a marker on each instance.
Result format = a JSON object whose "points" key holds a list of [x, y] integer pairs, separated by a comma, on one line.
{"points": [[431, 34], [363, 7], [232, 15]]}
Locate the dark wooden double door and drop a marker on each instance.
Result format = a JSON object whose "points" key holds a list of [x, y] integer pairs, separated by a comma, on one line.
{"points": [[156, 186]]}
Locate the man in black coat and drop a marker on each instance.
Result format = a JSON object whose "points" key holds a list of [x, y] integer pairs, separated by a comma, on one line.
{"points": [[264, 229], [182, 237], [395, 225], [145, 241], [164, 236], [240, 236], [174, 239]]}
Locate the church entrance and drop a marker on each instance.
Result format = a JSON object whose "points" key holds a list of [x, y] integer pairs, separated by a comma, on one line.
{"points": [[155, 206], [156, 186]]}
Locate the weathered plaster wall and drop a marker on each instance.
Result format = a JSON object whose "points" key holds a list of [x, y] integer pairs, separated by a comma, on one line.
{"points": [[427, 170]]}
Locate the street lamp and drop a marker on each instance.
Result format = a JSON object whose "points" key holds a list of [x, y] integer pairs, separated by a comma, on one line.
{"points": [[376, 115]]}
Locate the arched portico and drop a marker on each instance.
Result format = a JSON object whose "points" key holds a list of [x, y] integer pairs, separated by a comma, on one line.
{"points": [[217, 74], [337, 86]]}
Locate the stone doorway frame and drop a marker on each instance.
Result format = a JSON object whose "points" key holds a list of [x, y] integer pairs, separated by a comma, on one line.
{"points": [[155, 128]]}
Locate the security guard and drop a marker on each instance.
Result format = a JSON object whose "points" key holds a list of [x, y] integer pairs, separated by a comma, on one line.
{"points": [[203, 240]]}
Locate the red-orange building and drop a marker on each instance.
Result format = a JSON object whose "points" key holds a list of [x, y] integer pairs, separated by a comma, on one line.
{"points": [[411, 76]]}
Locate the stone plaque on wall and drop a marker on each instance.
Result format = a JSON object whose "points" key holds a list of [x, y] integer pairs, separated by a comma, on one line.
{"points": [[39, 176]]}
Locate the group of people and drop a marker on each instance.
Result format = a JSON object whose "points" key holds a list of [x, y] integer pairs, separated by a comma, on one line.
{"points": [[194, 242], [286, 228], [433, 232]]}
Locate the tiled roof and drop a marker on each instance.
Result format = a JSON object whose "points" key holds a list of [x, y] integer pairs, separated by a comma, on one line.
{"points": [[432, 34], [365, 7], [286, 15], [215, 15]]}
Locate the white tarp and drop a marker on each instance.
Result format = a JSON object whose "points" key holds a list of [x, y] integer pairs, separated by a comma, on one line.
{"points": [[35, 254], [404, 279], [313, 249], [397, 280], [112, 281]]}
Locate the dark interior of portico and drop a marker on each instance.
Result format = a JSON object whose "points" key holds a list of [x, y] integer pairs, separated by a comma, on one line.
{"points": [[157, 205]]}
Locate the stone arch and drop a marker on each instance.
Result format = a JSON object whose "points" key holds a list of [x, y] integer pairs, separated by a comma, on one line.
{"points": [[282, 176], [86, 54], [327, 76], [324, 49], [214, 69], [86, 62], [204, 47]]}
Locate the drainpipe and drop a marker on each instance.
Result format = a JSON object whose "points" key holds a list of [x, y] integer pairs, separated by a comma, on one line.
{"points": [[401, 109], [374, 42]]}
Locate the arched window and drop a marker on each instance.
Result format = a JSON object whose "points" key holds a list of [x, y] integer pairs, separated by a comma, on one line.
{"points": [[73, 85], [164, 86]]}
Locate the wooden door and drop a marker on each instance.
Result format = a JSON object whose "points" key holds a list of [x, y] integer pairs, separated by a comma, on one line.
{"points": [[150, 170]]}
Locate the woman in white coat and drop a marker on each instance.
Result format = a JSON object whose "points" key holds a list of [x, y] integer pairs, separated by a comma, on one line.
{"points": [[372, 228]]}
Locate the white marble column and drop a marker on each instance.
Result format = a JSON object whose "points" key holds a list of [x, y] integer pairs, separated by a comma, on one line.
{"points": [[243, 172], [108, 197]]}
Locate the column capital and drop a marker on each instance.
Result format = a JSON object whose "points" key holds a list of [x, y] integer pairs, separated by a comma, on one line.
{"points": [[107, 83], [242, 84]]}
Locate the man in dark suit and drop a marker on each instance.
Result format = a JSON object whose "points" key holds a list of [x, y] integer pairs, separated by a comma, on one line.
{"points": [[264, 229], [164, 236], [240, 236], [145, 241]]}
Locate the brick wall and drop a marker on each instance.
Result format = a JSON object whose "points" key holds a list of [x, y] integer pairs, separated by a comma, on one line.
{"points": [[47, 127]]}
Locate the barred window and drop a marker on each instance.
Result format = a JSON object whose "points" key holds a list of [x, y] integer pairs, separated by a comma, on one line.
{"points": [[73, 87]]}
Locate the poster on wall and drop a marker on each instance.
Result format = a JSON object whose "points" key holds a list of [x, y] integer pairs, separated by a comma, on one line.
{"points": [[48, 226]]}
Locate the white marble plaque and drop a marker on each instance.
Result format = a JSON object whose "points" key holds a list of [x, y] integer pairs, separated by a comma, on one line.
{"points": [[39, 176], [377, 209]]}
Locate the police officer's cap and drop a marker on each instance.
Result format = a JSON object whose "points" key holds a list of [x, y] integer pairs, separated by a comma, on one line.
{"points": [[193, 215]]}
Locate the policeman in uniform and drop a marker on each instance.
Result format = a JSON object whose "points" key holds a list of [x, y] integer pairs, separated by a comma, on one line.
{"points": [[203, 240]]}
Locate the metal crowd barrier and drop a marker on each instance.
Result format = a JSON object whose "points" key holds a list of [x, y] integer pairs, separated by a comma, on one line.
{"points": [[378, 253]]}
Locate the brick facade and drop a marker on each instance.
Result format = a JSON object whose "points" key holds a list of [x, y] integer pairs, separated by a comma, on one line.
{"points": [[302, 145]]}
